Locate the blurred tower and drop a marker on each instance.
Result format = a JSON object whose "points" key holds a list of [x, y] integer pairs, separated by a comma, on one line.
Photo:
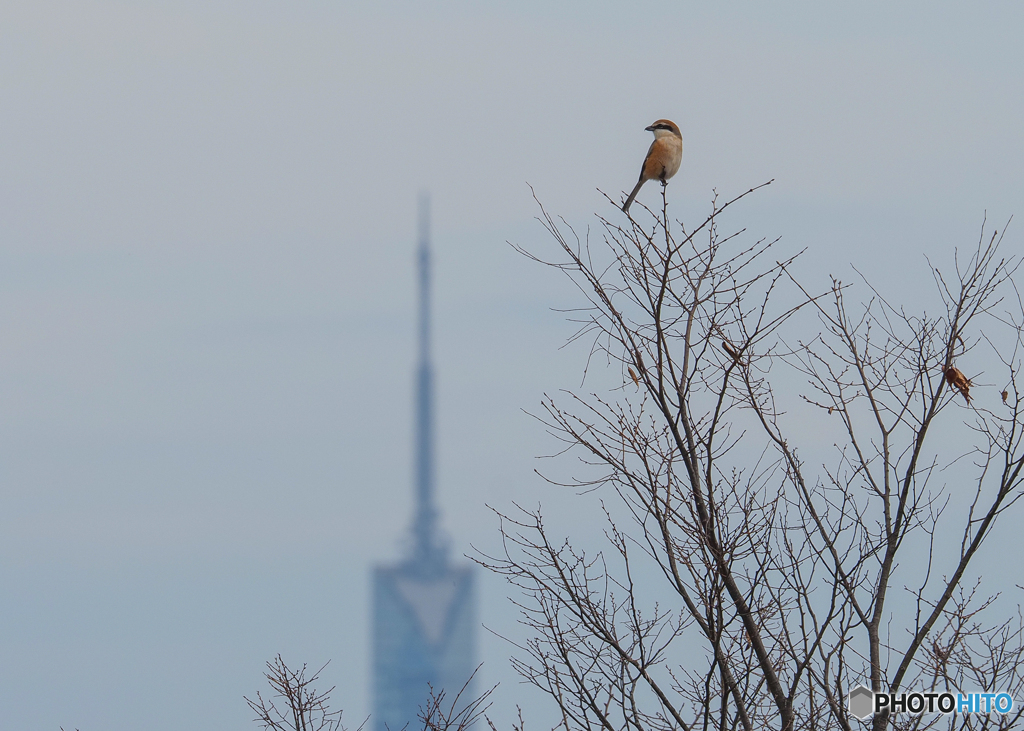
{"points": [[423, 607]]}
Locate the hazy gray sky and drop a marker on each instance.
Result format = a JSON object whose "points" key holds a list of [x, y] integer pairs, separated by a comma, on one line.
{"points": [[207, 222]]}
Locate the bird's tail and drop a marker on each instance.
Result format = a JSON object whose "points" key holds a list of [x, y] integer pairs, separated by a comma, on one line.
{"points": [[629, 201]]}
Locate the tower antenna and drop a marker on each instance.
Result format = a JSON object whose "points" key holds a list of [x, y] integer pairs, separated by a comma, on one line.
{"points": [[427, 548]]}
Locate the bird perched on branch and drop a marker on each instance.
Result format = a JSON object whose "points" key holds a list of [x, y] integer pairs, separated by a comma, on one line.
{"points": [[662, 159], [956, 378]]}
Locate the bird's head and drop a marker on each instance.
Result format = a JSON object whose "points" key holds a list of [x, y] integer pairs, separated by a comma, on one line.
{"points": [[664, 127]]}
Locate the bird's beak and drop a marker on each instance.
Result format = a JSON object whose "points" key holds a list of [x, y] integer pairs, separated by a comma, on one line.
{"points": [[649, 129]]}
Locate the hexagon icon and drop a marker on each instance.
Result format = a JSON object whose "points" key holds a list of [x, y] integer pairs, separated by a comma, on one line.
{"points": [[861, 702]]}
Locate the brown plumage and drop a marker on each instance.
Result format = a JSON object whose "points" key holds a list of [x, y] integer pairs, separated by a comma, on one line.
{"points": [[663, 157], [728, 348], [956, 379]]}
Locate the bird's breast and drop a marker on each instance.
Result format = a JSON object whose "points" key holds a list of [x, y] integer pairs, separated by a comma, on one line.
{"points": [[663, 159]]}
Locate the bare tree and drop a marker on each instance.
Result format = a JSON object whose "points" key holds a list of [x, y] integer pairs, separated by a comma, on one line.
{"points": [[306, 709], [780, 585], [438, 714], [303, 707]]}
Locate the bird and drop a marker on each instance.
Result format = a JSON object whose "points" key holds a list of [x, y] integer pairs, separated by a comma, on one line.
{"points": [[956, 378], [662, 161]]}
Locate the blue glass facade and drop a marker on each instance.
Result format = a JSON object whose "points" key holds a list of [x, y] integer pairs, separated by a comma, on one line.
{"points": [[423, 638]]}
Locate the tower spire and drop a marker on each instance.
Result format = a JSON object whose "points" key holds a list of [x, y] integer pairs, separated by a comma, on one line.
{"points": [[424, 609], [427, 548]]}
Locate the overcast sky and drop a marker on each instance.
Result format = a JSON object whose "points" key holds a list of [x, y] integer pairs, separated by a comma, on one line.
{"points": [[207, 227]]}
